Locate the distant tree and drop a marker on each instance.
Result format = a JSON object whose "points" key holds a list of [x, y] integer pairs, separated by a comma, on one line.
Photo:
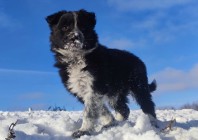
{"points": [[56, 108], [166, 108], [190, 106]]}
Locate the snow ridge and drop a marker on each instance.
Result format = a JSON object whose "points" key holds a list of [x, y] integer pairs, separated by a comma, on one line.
{"points": [[50, 125]]}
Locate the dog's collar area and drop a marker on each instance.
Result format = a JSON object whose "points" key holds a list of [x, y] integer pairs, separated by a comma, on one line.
{"points": [[74, 57], [91, 50], [83, 52]]}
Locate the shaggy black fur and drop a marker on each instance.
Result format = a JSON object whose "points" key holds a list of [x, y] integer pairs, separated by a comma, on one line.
{"points": [[107, 72]]}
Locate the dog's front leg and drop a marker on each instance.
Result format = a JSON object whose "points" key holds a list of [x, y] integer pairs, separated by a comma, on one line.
{"points": [[93, 104]]}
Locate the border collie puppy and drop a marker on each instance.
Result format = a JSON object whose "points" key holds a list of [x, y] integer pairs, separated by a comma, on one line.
{"points": [[96, 74]]}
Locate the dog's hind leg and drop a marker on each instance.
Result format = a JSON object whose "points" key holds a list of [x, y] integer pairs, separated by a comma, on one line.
{"points": [[141, 92]]}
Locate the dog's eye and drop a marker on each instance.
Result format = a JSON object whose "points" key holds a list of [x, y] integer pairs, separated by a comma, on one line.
{"points": [[65, 28]]}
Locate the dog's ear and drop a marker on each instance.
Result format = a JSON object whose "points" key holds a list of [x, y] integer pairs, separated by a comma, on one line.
{"points": [[87, 17], [54, 18]]}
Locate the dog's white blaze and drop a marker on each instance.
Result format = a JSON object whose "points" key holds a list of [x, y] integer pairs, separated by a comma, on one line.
{"points": [[75, 20]]}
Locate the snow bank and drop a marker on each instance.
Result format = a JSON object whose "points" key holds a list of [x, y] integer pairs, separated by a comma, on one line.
{"points": [[49, 125]]}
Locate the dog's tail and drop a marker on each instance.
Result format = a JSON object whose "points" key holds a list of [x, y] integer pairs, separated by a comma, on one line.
{"points": [[153, 86]]}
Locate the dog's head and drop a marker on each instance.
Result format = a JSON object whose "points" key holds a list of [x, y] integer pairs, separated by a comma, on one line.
{"points": [[72, 31]]}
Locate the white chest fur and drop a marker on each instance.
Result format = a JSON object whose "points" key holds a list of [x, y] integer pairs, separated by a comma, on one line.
{"points": [[80, 82]]}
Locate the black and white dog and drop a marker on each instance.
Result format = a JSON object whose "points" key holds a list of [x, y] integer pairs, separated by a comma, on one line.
{"points": [[96, 74]]}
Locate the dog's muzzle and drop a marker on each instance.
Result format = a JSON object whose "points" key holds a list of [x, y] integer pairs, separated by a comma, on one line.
{"points": [[75, 36], [74, 40]]}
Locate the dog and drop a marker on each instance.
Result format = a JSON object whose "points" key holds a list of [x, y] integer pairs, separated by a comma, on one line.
{"points": [[95, 74]]}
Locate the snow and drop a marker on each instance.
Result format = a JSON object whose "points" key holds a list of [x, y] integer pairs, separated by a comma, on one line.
{"points": [[50, 125]]}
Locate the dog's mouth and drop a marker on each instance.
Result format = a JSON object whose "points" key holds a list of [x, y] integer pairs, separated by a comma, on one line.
{"points": [[73, 45], [69, 46]]}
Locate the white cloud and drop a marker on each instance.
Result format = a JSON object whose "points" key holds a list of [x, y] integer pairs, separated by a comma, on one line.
{"points": [[16, 71], [122, 43], [7, 21], [171, 30], [170, 79], [166, 20], [133, 5], [164, 26], [4, 20]]}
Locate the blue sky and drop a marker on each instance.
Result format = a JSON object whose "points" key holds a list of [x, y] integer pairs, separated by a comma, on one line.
{"points": [[163, 33]]}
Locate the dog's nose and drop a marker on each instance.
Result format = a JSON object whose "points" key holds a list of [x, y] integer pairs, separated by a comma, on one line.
{"points": [[75, 36]]}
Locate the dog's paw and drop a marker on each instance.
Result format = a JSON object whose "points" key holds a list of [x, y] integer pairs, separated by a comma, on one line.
{"points": [[79, 133], [113, 124], [155, 124]]}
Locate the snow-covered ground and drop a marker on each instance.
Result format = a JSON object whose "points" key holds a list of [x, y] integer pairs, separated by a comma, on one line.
{"points": [[49, 125]]}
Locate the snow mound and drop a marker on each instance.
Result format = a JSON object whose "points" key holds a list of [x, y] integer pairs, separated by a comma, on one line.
{"points": [[49, 125]]}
